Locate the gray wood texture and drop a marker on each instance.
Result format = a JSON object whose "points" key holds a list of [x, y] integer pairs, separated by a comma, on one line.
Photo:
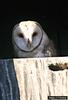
{"points": [[8, 82]]}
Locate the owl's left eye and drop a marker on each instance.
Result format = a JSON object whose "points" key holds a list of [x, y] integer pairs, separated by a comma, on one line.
{"points": [[20, 35], [34, 34]]}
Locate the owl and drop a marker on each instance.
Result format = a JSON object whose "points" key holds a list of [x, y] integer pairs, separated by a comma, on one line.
{"points": [[30, 41]]}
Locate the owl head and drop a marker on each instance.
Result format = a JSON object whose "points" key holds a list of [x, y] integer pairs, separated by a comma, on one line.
{"points": [[27, 35]]}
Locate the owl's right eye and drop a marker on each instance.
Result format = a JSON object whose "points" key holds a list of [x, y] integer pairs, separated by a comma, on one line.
{"points": [[20, 35]]}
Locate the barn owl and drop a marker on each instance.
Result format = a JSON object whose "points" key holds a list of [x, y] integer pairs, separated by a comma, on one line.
{"points": [[29, 40]]}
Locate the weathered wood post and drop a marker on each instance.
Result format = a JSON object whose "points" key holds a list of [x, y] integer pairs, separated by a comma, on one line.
{"points": [[33, 78], [37, 81]]}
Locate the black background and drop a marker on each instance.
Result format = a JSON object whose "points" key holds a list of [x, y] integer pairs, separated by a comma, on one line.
{"points": [[51, 15]]}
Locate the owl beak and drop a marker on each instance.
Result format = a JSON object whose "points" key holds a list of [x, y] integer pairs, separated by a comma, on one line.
{"points": [[28, 43]]}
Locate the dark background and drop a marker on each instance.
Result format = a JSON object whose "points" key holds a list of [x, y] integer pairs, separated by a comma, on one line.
{"points": [[51, 15]]}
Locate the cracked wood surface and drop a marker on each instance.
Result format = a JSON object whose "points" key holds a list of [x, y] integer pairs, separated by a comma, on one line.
{"points": [[36, 81]]}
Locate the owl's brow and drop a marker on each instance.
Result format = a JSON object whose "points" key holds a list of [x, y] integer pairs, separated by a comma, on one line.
{"points": [[26, 26]]}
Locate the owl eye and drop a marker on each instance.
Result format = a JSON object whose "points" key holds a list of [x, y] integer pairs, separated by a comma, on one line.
{"points": [[34, 34], [20, 35]]}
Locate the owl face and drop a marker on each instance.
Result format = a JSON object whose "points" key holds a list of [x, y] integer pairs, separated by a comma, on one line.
{"points": [[27, 35]]}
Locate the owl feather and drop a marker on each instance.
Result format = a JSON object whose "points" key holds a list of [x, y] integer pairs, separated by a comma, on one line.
{"points": [[30, 41]]}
